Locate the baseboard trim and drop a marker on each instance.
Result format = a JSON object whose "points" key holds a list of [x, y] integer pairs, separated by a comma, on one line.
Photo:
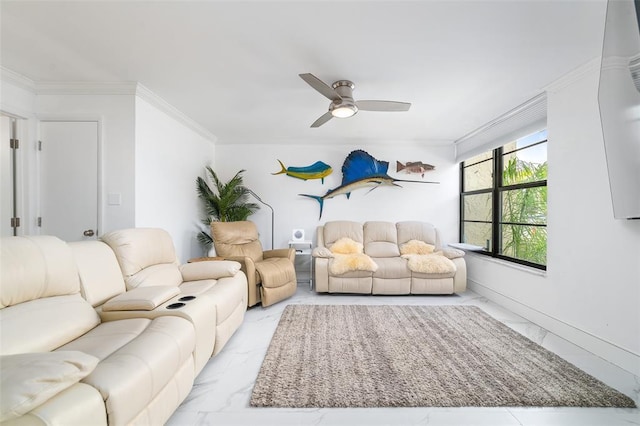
{"points": [[608, 351]]}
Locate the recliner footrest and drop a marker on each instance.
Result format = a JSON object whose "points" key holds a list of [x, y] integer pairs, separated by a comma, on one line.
{"points": [[276, 272]]}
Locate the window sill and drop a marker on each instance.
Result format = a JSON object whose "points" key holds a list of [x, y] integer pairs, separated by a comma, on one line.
{"points": [[513, 265]]}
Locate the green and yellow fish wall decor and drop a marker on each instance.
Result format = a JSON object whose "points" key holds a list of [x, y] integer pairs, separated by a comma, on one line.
{"points": [[317, 170]]}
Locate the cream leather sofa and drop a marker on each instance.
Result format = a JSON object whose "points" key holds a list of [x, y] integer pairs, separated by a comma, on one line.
{"points": [[78, 349], [382, 242], [147, 258]]}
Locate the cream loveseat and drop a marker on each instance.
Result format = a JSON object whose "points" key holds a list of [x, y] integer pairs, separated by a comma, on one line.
{"points": [[380, 268], [78, 348]]}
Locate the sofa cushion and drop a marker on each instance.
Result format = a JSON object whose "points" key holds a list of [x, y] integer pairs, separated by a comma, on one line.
{"points": [[163, 274], [87, 403], [45, 324], [30, 379], [42, 305], [392, 268], [333, 231], [416, 247], [430, 264], [346, 245], [35, 267], [381, 239], [382, 249], [237, 239], [412, 230], [100, 275], [138, 358], [139, 248], [342, 263]]}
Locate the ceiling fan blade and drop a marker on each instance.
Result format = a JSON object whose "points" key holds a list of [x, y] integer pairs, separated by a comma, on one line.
{"points": [[383, 106], [320, 86], [323, 119]]}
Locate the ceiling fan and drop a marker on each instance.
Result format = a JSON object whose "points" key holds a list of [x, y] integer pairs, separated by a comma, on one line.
{"points": [[342, 103]]}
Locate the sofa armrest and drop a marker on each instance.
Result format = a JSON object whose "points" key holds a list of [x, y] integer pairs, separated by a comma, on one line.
{"points": [[141, 299], [321, 274], [31, 379], [320, 236], [460, 278], [284, 252], [247, 265], [450, 253], [208, 270], [322, 252]]}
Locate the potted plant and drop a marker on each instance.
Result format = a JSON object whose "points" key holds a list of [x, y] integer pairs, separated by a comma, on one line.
{"points": [[226, 202]]}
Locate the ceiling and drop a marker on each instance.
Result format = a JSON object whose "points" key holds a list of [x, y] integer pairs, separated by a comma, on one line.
{"points": [[232, 66]]}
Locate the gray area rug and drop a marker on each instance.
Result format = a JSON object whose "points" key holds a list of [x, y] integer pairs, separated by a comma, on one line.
{"points": [[415, 356]]}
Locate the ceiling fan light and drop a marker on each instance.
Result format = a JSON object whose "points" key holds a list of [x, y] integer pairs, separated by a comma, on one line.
{"points": [[344, 111]]}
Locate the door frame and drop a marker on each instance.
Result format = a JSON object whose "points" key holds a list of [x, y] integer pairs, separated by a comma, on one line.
{"points": [[20, 172], [100, 165], [10, 196]]}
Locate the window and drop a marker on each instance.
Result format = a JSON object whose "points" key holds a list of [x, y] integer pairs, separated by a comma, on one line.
{"points": [[503, 201]]}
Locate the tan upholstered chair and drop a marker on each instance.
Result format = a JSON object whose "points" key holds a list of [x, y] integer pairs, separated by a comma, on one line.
{"points": [[271, 275]]}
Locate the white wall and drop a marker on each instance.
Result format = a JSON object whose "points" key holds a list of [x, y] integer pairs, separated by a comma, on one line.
{"points": [[169, 157], [150, 154], [591, 292], [433, 203], [115, 114]]}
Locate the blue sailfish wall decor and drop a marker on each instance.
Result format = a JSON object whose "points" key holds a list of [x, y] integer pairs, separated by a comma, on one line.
{"points": [[360, 170]]}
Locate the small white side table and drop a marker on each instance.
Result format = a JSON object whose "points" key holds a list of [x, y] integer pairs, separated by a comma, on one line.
{"points": [[303, 249]]}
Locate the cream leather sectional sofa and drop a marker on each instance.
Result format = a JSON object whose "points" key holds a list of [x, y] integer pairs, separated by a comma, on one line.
{"points": [[108, 332], [382, 243]]}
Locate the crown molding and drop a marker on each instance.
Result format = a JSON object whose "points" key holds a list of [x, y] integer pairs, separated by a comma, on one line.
{"points": [[537, 104], [103, 88], [144, 93], [121, 88], [574, 75], [85, 88], [16, 79]]}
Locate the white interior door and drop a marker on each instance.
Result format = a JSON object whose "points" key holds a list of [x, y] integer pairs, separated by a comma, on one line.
{"points": [[69, 179]]}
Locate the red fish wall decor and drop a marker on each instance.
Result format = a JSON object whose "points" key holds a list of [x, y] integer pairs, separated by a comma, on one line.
{"points": [[416, 167]]}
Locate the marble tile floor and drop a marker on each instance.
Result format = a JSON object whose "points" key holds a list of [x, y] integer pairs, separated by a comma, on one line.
{"points": [[221, 393]]}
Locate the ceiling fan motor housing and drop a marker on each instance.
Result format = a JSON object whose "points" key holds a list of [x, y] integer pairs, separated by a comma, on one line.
{"points": [[345, 107], [344, 88]]}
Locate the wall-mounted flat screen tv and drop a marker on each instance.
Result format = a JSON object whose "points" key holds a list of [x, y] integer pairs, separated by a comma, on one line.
{"points": [[619, 101]]}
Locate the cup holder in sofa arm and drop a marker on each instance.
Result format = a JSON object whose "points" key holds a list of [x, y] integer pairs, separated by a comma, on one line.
{"points": [[141, 299], [186, 298], [175, 305]]}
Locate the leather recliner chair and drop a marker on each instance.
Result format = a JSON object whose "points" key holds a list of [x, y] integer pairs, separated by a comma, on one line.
{"points": [[271, 275]]}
